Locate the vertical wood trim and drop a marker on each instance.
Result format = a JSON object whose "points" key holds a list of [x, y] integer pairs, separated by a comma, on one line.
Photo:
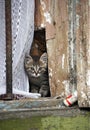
{"points": [[8, 47], [83, 46], [57, 47], [72, 44], [88, 52], [39, 16]]}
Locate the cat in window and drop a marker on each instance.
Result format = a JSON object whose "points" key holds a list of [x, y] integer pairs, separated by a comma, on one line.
{"points": [[37, 70]]}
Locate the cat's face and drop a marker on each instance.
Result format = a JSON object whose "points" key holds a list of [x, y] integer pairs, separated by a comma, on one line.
{"points": [[36, 67]]}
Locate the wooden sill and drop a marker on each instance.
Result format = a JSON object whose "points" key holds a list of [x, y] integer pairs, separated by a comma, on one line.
{"points": [[25, 108]]}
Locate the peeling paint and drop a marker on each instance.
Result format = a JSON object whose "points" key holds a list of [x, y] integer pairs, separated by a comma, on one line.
{"points": [[48, 17], [46, 13], [58, 82], [63, 60], [83, 95], [73, 62], [66, 87], [43, 4], [88, 78], [50, 72], [42, 25], [72, 42], [88, 93], [88, 51]]}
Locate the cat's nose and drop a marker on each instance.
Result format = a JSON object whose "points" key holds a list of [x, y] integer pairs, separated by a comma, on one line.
{"points": [[36, 73]]}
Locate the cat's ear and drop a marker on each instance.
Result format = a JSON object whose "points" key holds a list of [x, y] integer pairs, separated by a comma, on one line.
{"points": [[28, 58], [43, 57]]}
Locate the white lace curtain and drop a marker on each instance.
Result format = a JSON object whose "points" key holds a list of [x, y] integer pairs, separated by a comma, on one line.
{"points": [[22, 36]]}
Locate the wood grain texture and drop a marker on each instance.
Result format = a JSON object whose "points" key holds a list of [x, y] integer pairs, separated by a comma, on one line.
{"points": [[83, 52]]}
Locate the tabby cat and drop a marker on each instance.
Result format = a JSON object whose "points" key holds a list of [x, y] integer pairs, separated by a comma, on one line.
{"points": [[37, 71]]}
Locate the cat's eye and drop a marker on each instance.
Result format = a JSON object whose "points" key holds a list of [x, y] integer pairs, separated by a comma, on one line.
{"points": [[41, 69], [32, 68]]}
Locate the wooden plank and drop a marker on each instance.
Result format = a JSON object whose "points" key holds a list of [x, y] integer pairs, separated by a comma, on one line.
{"points": [[57, 47], [83, 52], [88, 52], [8, 48], [30, 104], [72, 45], [55, 15], [39, 14]]}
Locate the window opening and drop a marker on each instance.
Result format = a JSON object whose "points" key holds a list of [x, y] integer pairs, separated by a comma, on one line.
{"points": [[37, 65]]}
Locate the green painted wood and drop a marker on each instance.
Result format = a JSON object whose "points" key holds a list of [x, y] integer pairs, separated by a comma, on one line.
{"points": [[28, 114], [80, 122]]}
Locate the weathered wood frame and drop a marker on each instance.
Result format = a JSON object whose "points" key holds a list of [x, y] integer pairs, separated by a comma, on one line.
{"points": [[83, 53], [67, 28], [69, 24]]}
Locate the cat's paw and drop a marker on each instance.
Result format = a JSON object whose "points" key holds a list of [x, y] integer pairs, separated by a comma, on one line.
{"points": [[44, 93]]}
